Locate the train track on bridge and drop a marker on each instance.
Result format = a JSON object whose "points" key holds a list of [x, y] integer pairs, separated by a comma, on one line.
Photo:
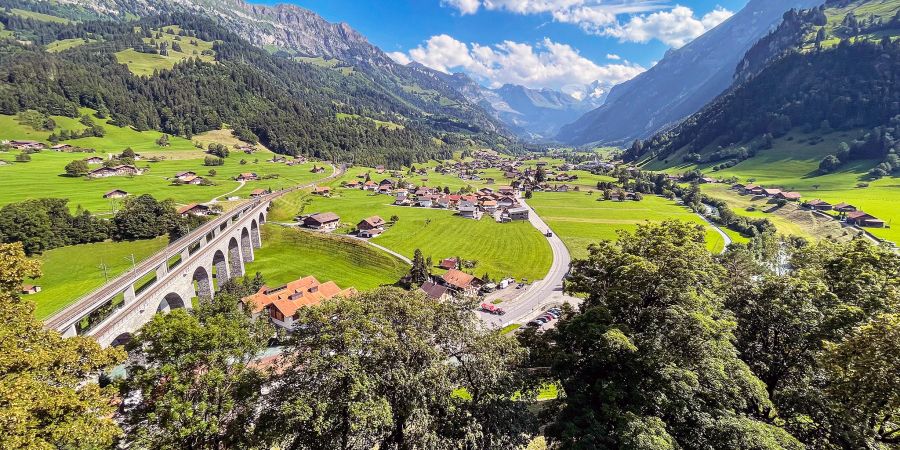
{"points": [[97, 298]]}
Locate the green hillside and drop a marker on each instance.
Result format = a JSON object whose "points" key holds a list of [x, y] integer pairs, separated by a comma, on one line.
{"points": [[169, 48]]}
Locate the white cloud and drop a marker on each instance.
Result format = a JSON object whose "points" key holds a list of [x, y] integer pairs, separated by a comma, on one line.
{"points": [[400, 58], [464, 6], [613, 56], [674, 28], [547, 64]]}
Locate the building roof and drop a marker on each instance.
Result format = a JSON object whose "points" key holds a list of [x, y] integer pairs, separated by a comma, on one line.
{"points": [[324, 217], [817, 202], [791, 195], [843, 205], [448, 263], [458, 278], [859, 215], [190, 207], [374, 221], [517, 210], [115, 191], [289, 298], [770, 191], [258, 192], [433, 290], [323, 189]]}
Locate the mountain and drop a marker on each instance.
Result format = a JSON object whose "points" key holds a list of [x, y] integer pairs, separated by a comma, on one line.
{"points": [[682, 82], [533, 114], [295, 32]]}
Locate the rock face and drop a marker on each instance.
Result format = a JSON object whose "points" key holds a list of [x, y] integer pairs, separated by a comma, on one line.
{"points": [[685, 80]]}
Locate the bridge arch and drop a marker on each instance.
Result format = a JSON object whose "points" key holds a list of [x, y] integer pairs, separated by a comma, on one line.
{"points": [[122, 339], [235, 263], [262, 218], [169, 302], [220, 267], [254, 234], [246, 245], [203, 287]]}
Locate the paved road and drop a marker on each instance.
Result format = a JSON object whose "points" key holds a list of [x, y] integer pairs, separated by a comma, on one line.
{"points": [[542, 293]]}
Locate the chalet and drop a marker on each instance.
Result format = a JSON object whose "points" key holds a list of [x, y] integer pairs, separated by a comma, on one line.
{"points": [[379, 169], [469, 209], [115, 171], [752, 189], [370, 186], [317, 169], [862, 219], [708, 180], [435, 291], [322, 221], [247, 176], [789, 196], [29, 289], [115, 193], [425, 201], [193, 179], [561, 188], [195, 209], [62, 147], [386, 182], [401, 198], [507, 202], [185, 176], [506, 190], [94, 160], [282, 303], [738, 186], [517, 213], [770, 192], [461, 283], [818, 205], [844, 208], [322, 190], [489, 206], [370, 227], [353, 184], [442, 201], [448, 263], [26, 145], [385, 189], [258, 193]]}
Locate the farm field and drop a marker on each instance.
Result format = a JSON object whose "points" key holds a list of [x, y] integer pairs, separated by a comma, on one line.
{"points": [[72, 271], [288, 254], [511, 249], [581, 220]]}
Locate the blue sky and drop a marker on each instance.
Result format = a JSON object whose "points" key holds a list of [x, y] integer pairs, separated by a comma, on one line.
{"points": [[559, 44]]}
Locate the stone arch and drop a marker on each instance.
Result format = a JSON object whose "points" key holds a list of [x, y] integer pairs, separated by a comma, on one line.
{"points": [[203, 287], [220, 267], [122, 339], [235, 263], [262, 218], [254, 234], [169, 302], [246, 245]]}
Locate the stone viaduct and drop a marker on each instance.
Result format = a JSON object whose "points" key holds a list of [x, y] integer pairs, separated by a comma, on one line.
{"points": [[192, 267]]}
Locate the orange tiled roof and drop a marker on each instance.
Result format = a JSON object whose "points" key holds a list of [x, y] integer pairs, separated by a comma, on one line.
{"points": [[295, 295]]}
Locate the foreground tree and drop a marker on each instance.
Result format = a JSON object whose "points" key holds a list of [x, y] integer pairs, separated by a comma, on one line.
{"points": [[391, 369], [648, 362], [45, 402], [195, 378]]}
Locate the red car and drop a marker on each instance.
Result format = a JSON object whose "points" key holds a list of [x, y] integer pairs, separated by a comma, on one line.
{"points": [[492, 309]]}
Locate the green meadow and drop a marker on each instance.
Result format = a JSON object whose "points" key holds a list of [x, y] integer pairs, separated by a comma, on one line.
{"points": [[65, 44], [70, 272], [511, 249], [38, 16], [580, 219], [288, 254], [146, 63]]}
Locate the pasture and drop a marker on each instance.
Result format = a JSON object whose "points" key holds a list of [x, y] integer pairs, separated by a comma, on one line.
{"points": [[580, 220], [146, 63]]}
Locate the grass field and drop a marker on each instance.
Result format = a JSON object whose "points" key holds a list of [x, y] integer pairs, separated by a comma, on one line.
{"points": [[378, 123], [512, 249], [145, 63], [38, 16], [70, 272], [580, 220], [288, 254], [65, 44]]}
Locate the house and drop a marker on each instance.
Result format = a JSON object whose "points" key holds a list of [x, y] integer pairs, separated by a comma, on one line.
{"points": [[562, 188], [195, 209], [282, 303], [322, 190], [115, 193], [708, 180], [789, 196], [844, 208], [818, 205], [469, 209], [770, 192], [370, 227], [752, 189], [94, 160], [370, 186], [442, 201], [322, 221], [507, 202], [317, 169], [258, 193], [461, 283], [506, 190], [28, 289], [517, 213], [61, 147], [435, 291], [185, 176], [448, 263], [862, 219], [489, 206], [194, 180], [247, 176], [401, 198], [425, 201], [738, 186], [379, 169], [115, 171], [353, 184], [26, 145]]}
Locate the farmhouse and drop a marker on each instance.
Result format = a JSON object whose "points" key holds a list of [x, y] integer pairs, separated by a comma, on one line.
{"points": [[818, 205], [247, 176], [94, 160], [370, 227], [28, 289], [61, 147], [789, 196], [448, 263], [844, 208], [185, 176], [322, 190], [193, 179], [328, 221], [195, 209], [768, 192], [258, 193], [282, 303], [506, 190], [115, 193], [115, 171], [862, 219], [26, 145], [435, 291], [489, 206], [469, 209], [461, 283]]}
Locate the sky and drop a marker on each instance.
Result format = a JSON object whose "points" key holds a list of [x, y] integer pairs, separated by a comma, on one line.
{"points": [[565, 45]]}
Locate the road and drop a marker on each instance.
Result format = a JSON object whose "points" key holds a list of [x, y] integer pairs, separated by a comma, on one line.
{"points": [[541, 294]]}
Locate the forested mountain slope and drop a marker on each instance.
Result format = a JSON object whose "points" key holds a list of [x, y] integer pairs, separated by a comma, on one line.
{"points": [[682, 82]]}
